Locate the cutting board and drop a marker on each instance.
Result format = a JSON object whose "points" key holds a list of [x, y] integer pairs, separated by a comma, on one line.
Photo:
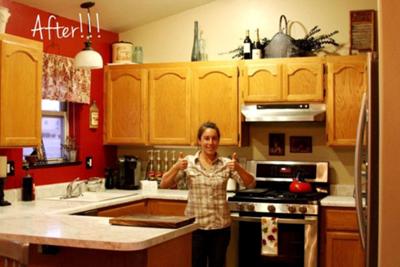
{"points": [[147, 220]]}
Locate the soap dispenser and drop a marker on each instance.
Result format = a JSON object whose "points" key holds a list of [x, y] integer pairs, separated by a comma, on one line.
{"points": [[28, 186]]}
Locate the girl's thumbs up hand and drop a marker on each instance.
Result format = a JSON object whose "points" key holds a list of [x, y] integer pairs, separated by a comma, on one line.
{"points": [[233, 164], [182, 163]]}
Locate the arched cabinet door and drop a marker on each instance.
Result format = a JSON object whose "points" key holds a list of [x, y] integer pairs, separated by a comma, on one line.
{"points": [[347, 81], [303, 79], [215, 98], [282, 80], [126, 98], [20, 91], [261, 81], [169, 105]]}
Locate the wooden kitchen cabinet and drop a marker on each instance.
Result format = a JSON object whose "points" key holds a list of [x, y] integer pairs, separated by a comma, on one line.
{"points": [[148, 206], [20, 91], [283, 80], [303, 79], [126, 105], [261, 80], [347, 80], [164, 104], [169, 104], [166, 207], [215, 98], [339, 238], [138, 207]]}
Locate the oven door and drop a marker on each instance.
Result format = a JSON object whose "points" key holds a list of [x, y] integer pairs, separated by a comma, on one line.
{"points": [[297, 242]]}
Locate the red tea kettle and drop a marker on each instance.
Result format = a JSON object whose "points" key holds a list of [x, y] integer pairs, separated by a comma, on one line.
{"points": [[299, 185]]}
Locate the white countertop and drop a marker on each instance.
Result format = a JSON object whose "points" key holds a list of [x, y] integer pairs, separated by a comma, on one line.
{"points": [[49, 222], [338, 201]]}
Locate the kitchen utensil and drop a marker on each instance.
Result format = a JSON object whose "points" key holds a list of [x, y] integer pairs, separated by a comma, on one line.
{"points": [[299, 185], [94, 184], [281, 44]]}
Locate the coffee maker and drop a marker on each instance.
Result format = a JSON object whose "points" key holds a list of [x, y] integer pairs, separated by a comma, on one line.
{"points": [[126, 173]]}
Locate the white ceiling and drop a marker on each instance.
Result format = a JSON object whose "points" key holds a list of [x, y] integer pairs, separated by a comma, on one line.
{"points": [[117, 16]]}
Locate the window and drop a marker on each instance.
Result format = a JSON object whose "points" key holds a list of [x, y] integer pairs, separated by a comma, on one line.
{"points": [[54, 129]]}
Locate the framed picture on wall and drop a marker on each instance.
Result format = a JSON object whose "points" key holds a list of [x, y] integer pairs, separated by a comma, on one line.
{"points": [[300, 144], [363, 31], [276, 144]]}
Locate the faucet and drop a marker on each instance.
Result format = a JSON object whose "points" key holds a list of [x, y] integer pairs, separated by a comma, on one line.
{"points": [[71, 189]]}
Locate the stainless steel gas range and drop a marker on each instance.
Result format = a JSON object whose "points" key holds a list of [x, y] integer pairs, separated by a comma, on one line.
{"points": [[296, 214]]}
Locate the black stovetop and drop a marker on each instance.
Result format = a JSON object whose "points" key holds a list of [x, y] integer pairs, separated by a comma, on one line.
{"points": [[275, 196]]}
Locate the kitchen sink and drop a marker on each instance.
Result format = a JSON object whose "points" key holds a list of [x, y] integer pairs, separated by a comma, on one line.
{"points": [[93, 196]]}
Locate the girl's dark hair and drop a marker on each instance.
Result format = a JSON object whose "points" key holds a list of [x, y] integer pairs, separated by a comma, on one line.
{"points": [[205, 126]]}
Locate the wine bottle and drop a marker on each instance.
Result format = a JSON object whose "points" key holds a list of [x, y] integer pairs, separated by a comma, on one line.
{"points": [[256, 52], [150, 173], [158, 171], [166, 163], [247, 46], [196, 45]]}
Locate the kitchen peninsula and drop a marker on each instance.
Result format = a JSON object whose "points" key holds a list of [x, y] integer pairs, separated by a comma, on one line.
{"points": [[57, 237]]}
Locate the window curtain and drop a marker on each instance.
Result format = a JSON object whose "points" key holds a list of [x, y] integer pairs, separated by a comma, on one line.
{"points": [[62, 82]]}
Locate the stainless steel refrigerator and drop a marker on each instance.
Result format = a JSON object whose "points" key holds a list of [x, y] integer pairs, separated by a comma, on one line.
{"points": [[367, 167]]}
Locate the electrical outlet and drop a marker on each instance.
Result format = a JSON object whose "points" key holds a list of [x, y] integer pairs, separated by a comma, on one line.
{"points": [[89, 162], [10, 168]]}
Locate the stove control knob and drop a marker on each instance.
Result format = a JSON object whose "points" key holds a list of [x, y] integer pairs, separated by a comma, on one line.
{"points": [[291, 209], [303, 209], [271, 208], [250, 207], [242, 207]]}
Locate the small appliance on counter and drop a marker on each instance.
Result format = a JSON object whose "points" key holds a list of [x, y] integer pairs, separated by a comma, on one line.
{"points": [[128, 177], [3, 176]]}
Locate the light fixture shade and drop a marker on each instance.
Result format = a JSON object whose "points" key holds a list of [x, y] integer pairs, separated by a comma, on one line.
{"points": [[88, 59]]}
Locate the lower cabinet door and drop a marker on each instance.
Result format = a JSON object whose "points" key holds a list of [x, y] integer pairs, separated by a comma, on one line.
{"points": [[343, 249]]}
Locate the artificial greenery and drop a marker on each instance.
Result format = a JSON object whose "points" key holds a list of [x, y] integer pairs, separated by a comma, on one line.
{"points": [[311, 44], [307, 46]]}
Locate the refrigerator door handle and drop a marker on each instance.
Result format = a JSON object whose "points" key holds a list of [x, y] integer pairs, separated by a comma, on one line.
{"points": [[357, 169]]}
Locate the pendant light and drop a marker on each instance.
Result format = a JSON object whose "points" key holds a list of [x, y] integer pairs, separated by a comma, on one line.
{"points": [[88, 58]]}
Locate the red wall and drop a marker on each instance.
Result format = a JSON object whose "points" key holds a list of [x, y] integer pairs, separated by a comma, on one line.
{"points": [[90, 142]]}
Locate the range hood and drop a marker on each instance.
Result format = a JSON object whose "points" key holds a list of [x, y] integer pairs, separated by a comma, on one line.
{"points": [[284, 112]]}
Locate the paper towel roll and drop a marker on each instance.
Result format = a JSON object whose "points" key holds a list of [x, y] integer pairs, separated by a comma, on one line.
{"points": [[4, 15], [3, 166]]}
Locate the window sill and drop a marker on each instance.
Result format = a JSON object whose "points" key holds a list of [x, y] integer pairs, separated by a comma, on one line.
{"points": [[38, 165]]}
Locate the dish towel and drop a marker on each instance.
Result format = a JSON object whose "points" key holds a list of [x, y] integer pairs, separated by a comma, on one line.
{"points": [[269, 236]]}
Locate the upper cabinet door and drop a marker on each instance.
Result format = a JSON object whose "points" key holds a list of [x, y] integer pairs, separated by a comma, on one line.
{"points": [[169, 105], [261, 81], [126, 105], [216, 99], [347, 80], [303, 79], [20, 91]]}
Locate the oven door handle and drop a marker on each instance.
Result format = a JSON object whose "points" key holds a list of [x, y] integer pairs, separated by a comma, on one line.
{"points": [[308, 220]]}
